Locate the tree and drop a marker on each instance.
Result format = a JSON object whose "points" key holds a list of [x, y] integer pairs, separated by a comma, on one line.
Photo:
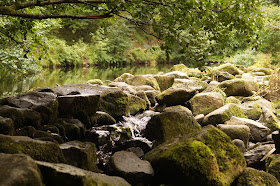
{"points": [[170, 20]]}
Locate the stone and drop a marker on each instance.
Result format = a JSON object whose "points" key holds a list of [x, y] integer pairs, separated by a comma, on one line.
{"points": [[260, 101], [174, 121], [241, 132], [252, 176], [112, 99], [7, 126], [193, 84], [251, 110], [38, 150], [26, 131], [143, 95], [232, 99], [128, 166], [123, 77], [73, 128], [179, 67], [266, 71], [19, 169], [80, 154], [223, 114], [228, 67], [151, 95], [124, 87], [136, 104], [239, 87], [143, 80], [174, 96], [102, 118], [269, 119], [205, 158], [95, 81], [221, 76], [272, 164], [57, 174], [177, 74], [256, 153], [44, 103], [204, 103], [240, 144], [199, 118], [258, 132], [164, 81]]}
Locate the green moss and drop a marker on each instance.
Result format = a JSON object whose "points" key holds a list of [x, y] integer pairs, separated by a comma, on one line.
{"points": [[43, 151], [95, 81], [26, 131], [232, 99]]}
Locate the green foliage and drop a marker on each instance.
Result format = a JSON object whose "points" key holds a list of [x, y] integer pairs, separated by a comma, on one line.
{"points": [[245, 58]]}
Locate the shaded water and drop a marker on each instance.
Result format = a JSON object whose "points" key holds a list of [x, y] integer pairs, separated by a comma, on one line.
{"points": [[50, 77]]}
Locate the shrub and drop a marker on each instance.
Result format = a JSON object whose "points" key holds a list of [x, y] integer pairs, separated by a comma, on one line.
{"points": [[244, 58]]}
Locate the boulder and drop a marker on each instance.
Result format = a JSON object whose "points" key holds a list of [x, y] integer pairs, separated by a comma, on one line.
{"points": [[143, 80], [221, 76], [136, 104], [73, 128], [43, 102], [228, 67], [179, 67], [240, 144], [124, 87], [7, 126], [177, 74], [232, 99], [252, 176], [95, 81], [55, 174], [204, 103], [38, 150], [269, 119], [239, 87], [190, 84], [174, 121], [102, 118], [80, 154], [128, 166], [241, 132], [143, 95], [151, 95], [26, 131], [123, 77], [256, 153], [259, 101], [258, 132], [199, 118], [272, 164], [164, 81], [252, 110], [19, 169], [174, 96], [112, 99], [206, 158], [223, 114], [266, 71]]}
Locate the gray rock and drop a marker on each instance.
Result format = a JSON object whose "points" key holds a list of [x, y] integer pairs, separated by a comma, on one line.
{"points": [[80, 154], [269, 119], [55, 174], [143, 80], [241, 132], [199, 118], [221, 76], [136, 104], [240, 144], [73, 128], [151, 95], [127, 165], [177, 74], [258, 131], [124, 87], [102, 118], [19, 169], [7, 126], [164, 81]]}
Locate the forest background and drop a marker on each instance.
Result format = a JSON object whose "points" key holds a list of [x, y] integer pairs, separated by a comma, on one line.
{"points": [[28, 45]]}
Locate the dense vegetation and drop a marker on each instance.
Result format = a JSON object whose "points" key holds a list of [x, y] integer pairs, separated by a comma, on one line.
{"points": [[119, 31]]}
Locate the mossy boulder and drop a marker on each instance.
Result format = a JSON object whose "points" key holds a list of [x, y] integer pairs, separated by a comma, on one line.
{"points": [[223, 114], [228, 67], [55, 174], [251, 110], [272, 164], [232, 99], [43, 102], [221, 76], [16, 114], [136, 104], [258, 132], [7, 126], [19, 169], [26, 131], [179, 67], [239, 87], [151, 95], [177, 74], [266, 71], [204, 103], [164, 82], [123, 77], [38, 150], [269, 119], [80, 154], [207, 158], [193, 84], [241, 132], [72, 128], [174, 96], [102, 118], [95, 81], [252, 176], [174, 121], [124, 87], [143, 80]]}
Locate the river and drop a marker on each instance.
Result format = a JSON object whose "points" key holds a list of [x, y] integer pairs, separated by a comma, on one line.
{"points": [[51, 77]]}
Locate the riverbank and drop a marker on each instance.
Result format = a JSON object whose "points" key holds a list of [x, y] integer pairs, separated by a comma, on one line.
{"points": [[181, 127]]}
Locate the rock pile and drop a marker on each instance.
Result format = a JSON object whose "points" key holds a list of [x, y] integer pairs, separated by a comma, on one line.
{"points": [[183, 127]]}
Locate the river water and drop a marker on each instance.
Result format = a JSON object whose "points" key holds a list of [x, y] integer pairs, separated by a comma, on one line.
{"points": [[51, 77]]}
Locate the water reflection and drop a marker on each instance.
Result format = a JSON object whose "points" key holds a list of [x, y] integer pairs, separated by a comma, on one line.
{"points": [[11, 85]]}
